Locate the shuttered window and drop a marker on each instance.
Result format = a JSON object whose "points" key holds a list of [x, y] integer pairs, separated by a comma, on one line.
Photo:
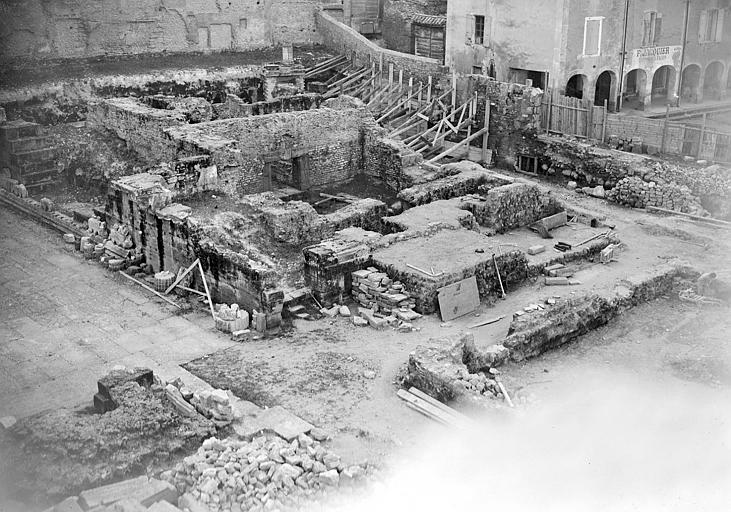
{"points": [[652, 25], [592, 36], [710, 28], [428, 41]]}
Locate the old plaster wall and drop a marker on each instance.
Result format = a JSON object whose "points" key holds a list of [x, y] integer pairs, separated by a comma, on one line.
{"points": [[517, 34], [82, 28]]}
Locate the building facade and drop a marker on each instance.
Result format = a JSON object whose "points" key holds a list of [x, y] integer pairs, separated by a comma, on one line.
{"points": [[663, 50]]}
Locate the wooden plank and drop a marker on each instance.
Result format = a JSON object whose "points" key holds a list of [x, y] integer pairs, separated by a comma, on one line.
{"points": [[143, 285], [208, 293], [181, 277], [428, 408], [458, 299], [439, 405]]}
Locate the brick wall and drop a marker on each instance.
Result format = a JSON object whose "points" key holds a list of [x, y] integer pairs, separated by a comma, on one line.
{"points": [[82, 28], [341, 38]]}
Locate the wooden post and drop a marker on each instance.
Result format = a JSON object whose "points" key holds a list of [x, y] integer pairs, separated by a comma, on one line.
{"points": [[390, 73], [454, 88], [411, 90], [208, 293], [487, 127], [428, 91], [548, 113], [700, 140], [665, 128], [604, 120]]}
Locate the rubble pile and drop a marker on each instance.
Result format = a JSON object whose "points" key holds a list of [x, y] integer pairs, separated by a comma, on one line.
{"points": [[635, 192], [263, 474], [214, 404]]}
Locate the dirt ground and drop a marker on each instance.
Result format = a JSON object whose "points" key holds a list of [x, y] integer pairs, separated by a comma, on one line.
{"points": [[624, 412]]}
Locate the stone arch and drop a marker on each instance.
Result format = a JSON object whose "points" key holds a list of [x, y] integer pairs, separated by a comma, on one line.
{"points": [[663, 84], [576, 86], [690, 82], [712, 86], [635, 89], [605, 88]]}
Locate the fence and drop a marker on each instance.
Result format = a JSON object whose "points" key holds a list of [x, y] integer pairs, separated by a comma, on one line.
{"points": [[579, 118], [572, 116]]}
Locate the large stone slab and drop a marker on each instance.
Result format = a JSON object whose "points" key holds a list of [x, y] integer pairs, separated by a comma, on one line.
{"points": [[275, 419], [141, 489]]}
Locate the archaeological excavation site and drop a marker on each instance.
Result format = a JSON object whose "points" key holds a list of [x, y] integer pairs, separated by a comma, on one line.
{"points": [[338, 255]]}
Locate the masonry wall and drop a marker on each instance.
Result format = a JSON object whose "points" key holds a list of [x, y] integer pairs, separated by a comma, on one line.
{"points": [[334, 143], [648, 131], [83, 28], [140, 126], [343, 39]]}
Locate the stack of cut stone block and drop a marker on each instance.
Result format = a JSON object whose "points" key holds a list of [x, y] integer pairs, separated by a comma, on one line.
{"points": [[374, 290]]}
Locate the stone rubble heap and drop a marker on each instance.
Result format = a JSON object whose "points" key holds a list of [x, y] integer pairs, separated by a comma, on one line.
{"points": [[214, 404], [637, 193], [266, 473]]}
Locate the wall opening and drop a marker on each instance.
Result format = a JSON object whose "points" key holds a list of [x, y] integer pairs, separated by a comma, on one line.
{"points": [[634, 85], [663, 85], [690, 81], [575, 86], [604, 89], [712, 81]]}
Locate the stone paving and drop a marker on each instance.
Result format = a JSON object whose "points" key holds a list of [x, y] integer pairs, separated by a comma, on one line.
{"points": [[65, 321]]}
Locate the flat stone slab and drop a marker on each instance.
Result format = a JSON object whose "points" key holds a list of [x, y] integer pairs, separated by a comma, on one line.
{"points": [[275, 419], [141, 489]]}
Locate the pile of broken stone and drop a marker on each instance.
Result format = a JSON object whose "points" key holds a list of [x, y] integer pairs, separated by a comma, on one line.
{"points": [[382, 302], [214, 404], [113, 248], [265, 473]]}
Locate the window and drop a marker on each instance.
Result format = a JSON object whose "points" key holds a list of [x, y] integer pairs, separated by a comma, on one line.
{"points": [[592, 36], [652, 28], [476, 70], [428, 41], [711, 26], [479, 30]]}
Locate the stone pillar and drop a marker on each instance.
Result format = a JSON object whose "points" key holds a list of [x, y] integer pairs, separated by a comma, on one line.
{"points": [[645, 90]]}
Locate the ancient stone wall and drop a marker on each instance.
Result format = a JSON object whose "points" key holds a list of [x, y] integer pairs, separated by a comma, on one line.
{"points": [[343, 39], [81, 28], [332, 144], [234, 106], [139, 125]]}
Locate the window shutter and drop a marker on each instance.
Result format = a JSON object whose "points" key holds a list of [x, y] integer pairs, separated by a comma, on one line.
{"points": [[719, 25], [470, 36], [646, 30], [703, 26], [488, 31], [658, 29]]}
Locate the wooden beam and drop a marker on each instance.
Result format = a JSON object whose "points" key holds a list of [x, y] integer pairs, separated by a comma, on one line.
{"points": [[208, 293], [451, 150], [143, 285], [181, 277]]}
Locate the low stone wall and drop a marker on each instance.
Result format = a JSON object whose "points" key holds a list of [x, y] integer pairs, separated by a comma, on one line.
{"points": [[234, 106], [531, 335], [343, 39], [511, 206], [457, 179]]}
